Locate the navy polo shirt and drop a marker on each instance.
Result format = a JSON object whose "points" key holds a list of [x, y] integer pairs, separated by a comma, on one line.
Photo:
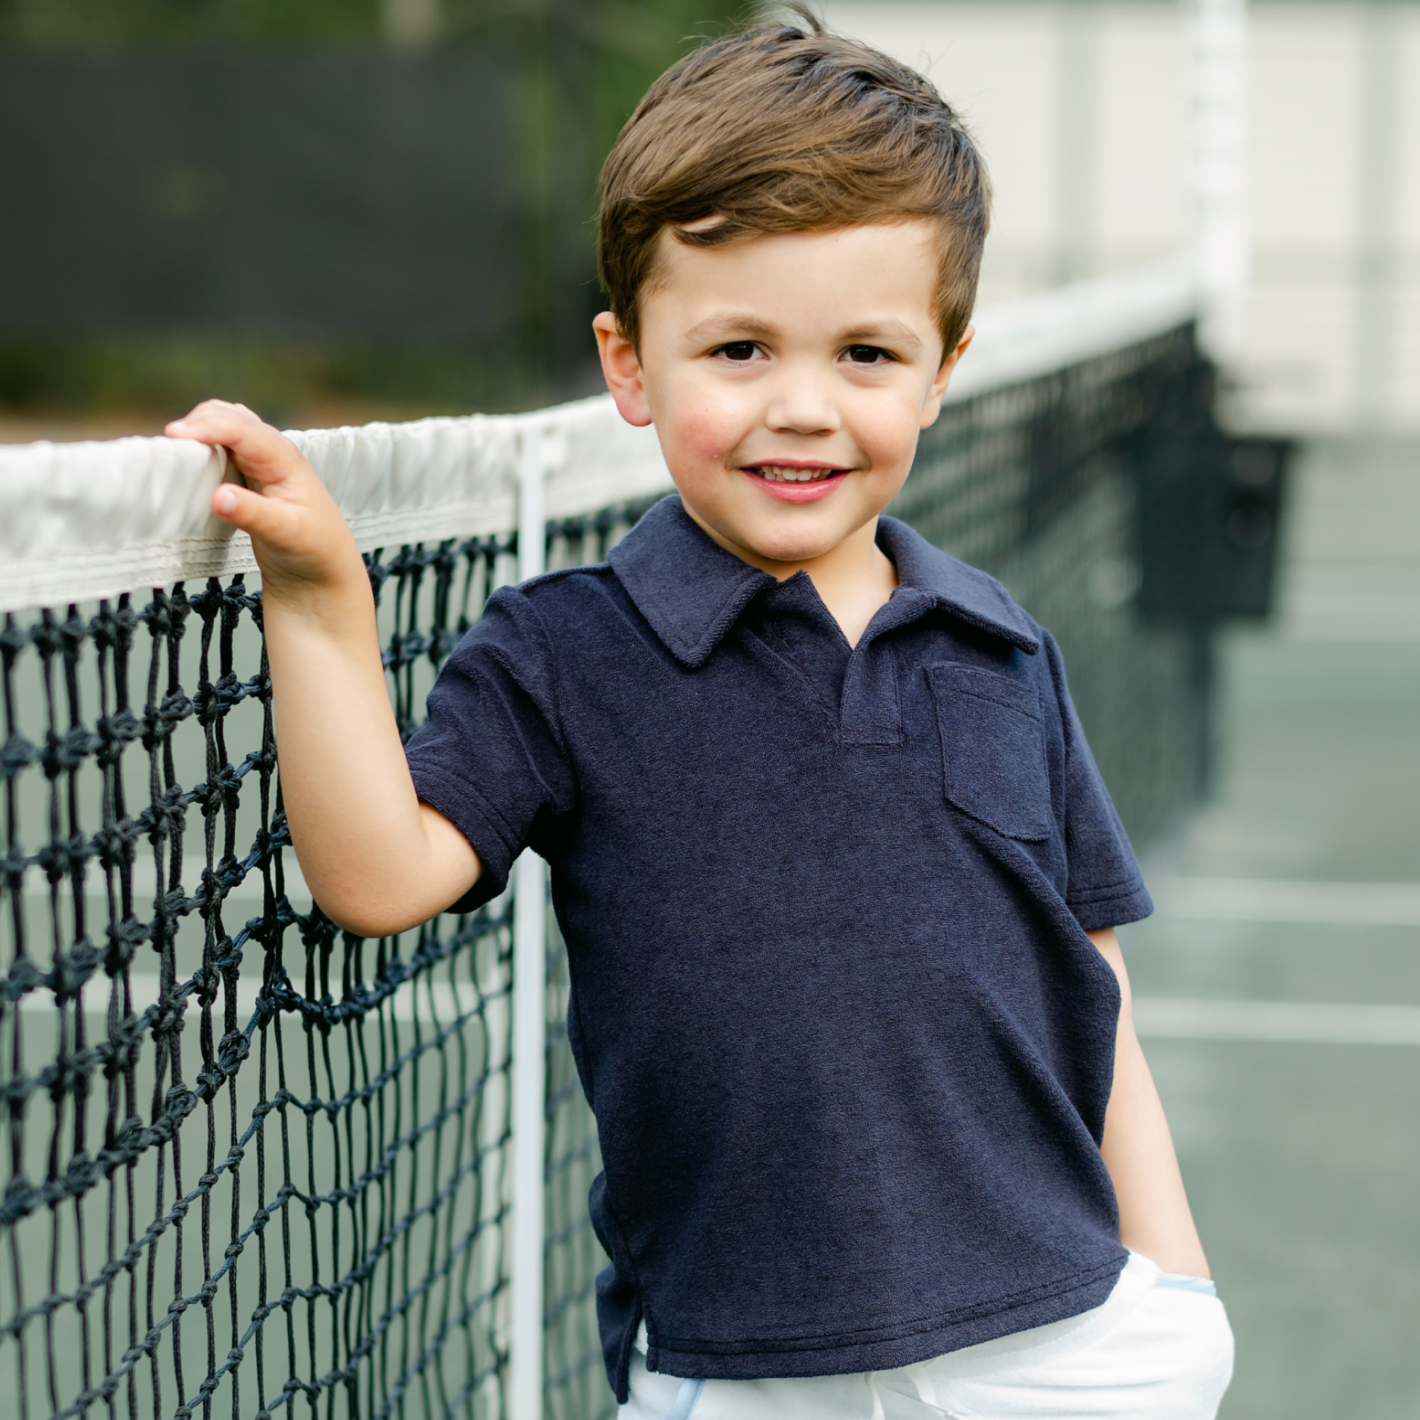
{"points": [[847, 1043]]}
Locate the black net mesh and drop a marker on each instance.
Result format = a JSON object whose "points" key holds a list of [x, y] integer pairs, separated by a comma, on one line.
{"points": [[254, 1162], [306, 1200]]}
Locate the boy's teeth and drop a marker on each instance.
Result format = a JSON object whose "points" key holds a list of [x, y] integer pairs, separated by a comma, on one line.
{"points": [[793, 475]]}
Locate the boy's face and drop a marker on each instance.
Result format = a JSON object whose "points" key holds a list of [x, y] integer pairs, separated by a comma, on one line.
{"points": [[788, 377]]}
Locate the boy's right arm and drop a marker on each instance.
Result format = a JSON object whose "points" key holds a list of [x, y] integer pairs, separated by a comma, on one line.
{"points": [[376, 859]]}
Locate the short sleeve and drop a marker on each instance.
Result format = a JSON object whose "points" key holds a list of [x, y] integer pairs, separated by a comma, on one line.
{"points": [[491, 757], [1105, 887]]}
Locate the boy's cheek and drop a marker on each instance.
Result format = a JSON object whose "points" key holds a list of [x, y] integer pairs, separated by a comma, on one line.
{"points": [[707, 434], [892, 437]]}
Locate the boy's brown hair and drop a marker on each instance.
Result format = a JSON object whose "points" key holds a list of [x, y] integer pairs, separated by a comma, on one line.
{"points": [[787, 129]]}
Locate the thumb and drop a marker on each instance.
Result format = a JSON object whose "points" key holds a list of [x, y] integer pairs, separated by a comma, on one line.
{"points": [[266, 519], [295, 542]]}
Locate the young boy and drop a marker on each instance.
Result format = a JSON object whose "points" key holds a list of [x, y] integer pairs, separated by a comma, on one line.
{"points": [[836, 871]]}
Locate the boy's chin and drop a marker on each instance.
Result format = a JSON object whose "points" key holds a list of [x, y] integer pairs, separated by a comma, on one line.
{"points": [[795, 544]]}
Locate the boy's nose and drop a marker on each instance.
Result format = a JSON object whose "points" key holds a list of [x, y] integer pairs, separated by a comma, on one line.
{"points": [[800, 404]]}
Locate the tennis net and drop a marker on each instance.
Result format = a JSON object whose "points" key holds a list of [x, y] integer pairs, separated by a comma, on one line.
{"points": [[257, 1165]]}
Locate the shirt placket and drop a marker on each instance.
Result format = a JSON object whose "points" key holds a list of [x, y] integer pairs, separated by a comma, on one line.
{"points": [[863, 682]]}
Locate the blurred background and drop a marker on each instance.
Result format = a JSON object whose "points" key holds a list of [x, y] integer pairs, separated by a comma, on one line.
{"points": [[338, 210], [328, 209]]}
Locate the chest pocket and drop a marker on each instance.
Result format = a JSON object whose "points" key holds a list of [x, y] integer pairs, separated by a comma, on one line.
{"points": [[993, 749]]}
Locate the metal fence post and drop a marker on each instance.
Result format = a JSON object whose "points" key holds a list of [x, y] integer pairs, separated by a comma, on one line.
{"points": [[529, 1035]]}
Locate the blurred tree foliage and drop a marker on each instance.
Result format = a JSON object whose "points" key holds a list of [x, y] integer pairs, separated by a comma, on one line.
{"points": [[105, 22], [581, 66]]}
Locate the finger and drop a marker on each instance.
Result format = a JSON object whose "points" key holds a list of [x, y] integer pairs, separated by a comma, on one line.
{"points": [[216, 422], [210, 415], [264, 455]]}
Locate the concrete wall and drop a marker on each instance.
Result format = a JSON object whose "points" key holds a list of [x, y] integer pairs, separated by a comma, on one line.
{"points": [[1081, 109]]}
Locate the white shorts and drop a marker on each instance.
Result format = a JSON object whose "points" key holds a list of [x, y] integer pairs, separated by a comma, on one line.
{"points": [[1159, 1348]]}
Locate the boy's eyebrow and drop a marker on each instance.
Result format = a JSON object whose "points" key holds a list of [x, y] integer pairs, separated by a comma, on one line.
{"points": [[894, 332], [731, 325]]}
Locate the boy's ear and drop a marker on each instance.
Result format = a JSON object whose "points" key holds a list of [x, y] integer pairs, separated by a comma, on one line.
{"points": [[622, 368], [933, 407]]}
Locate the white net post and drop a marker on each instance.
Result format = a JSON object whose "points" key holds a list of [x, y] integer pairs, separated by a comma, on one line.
{"points": [[529, 1033], [1217, 33]]}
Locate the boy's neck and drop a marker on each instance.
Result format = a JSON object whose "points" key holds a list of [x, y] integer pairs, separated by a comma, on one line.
{"points": [[853, 578]]}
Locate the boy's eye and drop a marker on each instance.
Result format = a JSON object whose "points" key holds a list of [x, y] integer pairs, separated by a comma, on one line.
{"points": [[739, 350], [866, 354]]}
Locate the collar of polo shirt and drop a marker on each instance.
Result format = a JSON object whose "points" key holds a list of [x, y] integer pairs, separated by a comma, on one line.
{"points": [[692, 591]]}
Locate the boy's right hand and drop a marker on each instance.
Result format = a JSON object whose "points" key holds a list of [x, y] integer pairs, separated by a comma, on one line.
{"points": [[302, 543], [376, 859]]}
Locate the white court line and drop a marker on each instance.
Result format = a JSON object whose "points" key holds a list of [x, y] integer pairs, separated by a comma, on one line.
{"points": [[1280, 1022], [1365, 606], [1348, 633], [1288, 900]]}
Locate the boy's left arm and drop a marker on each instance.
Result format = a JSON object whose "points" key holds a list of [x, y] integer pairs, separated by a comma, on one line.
{"points": [[1154, 1216]]}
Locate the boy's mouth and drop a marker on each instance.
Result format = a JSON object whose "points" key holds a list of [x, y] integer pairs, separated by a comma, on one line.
{"points": [[796, 485]]}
